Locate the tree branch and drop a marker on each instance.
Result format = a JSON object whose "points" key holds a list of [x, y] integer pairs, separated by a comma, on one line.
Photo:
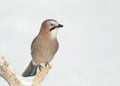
{"points": [[40, 76], [14, 80]]}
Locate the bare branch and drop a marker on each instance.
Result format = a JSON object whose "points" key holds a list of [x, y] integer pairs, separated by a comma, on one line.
{"points": [[40, 76], [14, 80], [8, 74]]}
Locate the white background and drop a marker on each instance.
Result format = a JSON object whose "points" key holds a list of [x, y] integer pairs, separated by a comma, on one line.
{"points": [[89, 52]]}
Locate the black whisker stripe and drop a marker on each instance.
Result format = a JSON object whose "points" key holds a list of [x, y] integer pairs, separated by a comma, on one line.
{"points": [[52, 28]]}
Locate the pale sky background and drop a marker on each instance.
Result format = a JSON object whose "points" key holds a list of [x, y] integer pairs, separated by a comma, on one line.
{"points": [[89, 52]]}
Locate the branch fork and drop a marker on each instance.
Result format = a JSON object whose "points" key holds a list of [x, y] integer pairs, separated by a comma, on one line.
{"points": [[13, 79]]}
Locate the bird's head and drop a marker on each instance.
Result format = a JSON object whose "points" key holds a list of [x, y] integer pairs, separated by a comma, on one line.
{"points": [[50, 26]]}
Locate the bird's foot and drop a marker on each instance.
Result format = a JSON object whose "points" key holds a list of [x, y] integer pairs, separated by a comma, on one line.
{"points": [[47, 65], [40, 67]]}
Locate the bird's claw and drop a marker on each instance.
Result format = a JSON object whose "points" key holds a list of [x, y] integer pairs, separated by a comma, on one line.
{"points": [[47, 65], [40, 67]]}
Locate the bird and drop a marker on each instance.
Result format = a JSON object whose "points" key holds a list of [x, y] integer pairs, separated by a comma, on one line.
{"points": [[43, 47]]}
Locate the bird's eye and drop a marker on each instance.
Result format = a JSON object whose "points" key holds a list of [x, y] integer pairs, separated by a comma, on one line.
{"points": [[51, 24]]}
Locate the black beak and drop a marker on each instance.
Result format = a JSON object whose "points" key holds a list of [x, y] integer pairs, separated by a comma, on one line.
{"points": [[59, 26]]}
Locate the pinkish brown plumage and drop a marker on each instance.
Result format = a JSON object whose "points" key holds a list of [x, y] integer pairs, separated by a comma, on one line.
{"points": [[44, 46]]}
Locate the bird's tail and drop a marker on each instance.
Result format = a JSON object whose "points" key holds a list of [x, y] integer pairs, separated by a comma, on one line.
{"points": [[30, 70]]}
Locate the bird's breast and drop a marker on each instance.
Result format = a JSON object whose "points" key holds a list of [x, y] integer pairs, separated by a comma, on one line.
{"points": [[43, 50]]}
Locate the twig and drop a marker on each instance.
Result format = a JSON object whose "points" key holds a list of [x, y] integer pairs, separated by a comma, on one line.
{"points": [[14, 80]]}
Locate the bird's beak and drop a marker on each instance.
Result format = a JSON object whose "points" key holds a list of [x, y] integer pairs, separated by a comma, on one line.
{"points": [[59, 26]]}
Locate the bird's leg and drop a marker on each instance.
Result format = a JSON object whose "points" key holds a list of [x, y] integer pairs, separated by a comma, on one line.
{"points": [[47, 65], [40, 67]]}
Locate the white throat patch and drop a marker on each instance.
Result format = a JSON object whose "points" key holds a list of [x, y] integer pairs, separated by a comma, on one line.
{"points": [[54, 33]]}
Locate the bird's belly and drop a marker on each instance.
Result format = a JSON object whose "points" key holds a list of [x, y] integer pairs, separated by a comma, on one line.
{"points": [[44, 54]]}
